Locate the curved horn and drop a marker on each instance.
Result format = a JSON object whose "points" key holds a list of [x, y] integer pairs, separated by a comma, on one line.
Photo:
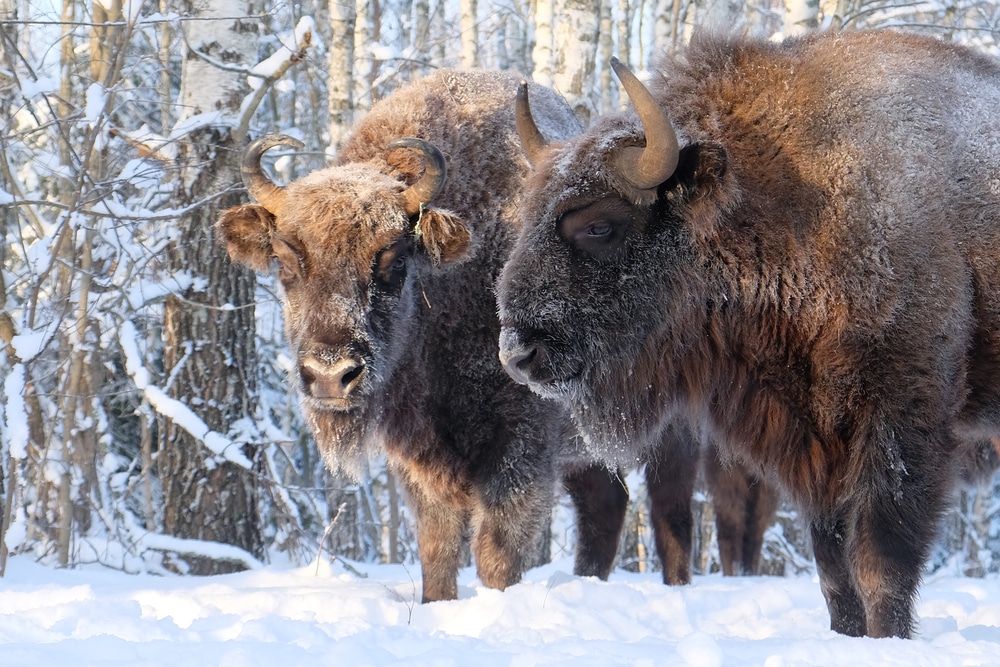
{"points": [[435, 171], [262, 188], [531, 138], [646, 167]]}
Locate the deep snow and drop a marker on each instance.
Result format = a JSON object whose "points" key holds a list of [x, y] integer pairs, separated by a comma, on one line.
{"points": [[326, 615]]}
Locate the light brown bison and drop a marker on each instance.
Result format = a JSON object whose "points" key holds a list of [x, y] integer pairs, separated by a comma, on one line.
{"points": [[796, 248], [388, 261]]}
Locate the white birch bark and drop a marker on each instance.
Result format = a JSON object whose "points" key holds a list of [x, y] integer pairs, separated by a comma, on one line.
{"points": [[576, 52], [422, 29], [609, 97], [801, 16], [724, 15], [364, 59], [470, 39], [519, 37], [541, 54], [500, 41], [663, 26], [340, 82], [625, 15], [205, 87]]}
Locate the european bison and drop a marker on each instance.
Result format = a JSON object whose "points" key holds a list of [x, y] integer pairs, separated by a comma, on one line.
{"points": [[795, 247], [388, 261]]}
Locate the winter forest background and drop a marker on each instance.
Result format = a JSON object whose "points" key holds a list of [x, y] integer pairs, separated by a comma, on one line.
{"points": [[147, 419]]}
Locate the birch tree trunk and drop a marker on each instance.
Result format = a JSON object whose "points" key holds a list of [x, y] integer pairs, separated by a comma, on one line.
{"points": [[663, 26], [541, 54], [340, 100], [609, 97], [519, 38], [209, 328], [470, 33], [625, 14], [724, 15], [422, 30], [801, 16], [576, 52]]}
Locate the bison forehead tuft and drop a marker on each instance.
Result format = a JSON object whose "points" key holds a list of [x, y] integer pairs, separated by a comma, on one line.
{"points": [[343, 212]]}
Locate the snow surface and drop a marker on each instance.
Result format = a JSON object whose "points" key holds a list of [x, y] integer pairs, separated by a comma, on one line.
{"points": [[326, 615]]}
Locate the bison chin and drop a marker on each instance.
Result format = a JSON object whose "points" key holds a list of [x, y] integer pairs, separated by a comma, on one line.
{"points": [[621, 411], [346, 439]]}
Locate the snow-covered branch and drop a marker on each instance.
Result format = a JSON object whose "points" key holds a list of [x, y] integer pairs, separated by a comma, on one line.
{"points": [[173, 409], [266, 72]]}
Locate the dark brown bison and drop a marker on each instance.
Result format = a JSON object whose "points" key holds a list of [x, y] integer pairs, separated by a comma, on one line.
{"points": [[796, 248], [388, 261]]}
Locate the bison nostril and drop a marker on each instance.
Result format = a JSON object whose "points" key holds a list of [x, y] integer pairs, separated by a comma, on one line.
{"points": [[350, 376], [518, 363], [331, 380], [308, 377]]}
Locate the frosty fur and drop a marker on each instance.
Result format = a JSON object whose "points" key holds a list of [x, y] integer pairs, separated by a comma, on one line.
{"points": [[816, 288], [412, 297]]}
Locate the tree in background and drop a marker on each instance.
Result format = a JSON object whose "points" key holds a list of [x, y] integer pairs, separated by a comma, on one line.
{"points": [[147, 419]]}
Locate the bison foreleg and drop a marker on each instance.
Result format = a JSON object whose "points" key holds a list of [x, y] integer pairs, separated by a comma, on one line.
{"points": [[727, 484], [505, 534], [440, 530], [847, 613], [601, 499], [744, 508], [893, 538]]}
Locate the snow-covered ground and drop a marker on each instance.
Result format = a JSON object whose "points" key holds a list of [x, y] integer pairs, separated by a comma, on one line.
{"points": [[327, 615]]}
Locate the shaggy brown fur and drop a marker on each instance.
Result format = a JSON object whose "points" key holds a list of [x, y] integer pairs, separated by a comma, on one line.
{"points": [[392, 320], [817, 286]]}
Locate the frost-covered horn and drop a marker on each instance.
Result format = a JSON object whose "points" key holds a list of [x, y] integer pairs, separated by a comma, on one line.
{"points": [[646, 167], [435, 172], [531, 137], [263, 189]]}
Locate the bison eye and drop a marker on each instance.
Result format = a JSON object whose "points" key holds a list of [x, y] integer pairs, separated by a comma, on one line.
{"points": [[598, 229], [290, 264], [390, 266]]}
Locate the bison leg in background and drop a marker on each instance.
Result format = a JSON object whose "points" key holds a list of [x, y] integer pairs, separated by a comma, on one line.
{"points": [[744, 507], [600, 498], [670, 477], [440, 531]]}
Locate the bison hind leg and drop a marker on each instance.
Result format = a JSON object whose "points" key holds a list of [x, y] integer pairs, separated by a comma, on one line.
{"points": [[601, 500]]}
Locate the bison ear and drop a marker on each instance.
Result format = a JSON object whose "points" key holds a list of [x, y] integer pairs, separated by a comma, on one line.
{"points": [[701, 187], [443, 235], [247, 232], [700, 169]]}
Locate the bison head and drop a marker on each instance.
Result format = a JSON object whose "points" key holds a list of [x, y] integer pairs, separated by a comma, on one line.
{"points": [[349, 243], [610, 222]]}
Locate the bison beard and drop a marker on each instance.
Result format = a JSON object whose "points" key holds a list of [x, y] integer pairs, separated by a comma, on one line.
{"points": [[796, 249]]}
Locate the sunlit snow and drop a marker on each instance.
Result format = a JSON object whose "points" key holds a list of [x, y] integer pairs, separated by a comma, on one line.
{"points": [[328, 615]]}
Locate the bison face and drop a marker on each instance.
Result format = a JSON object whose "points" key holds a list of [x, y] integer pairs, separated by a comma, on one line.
{"points": [[348, 243], [596, 294]]}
